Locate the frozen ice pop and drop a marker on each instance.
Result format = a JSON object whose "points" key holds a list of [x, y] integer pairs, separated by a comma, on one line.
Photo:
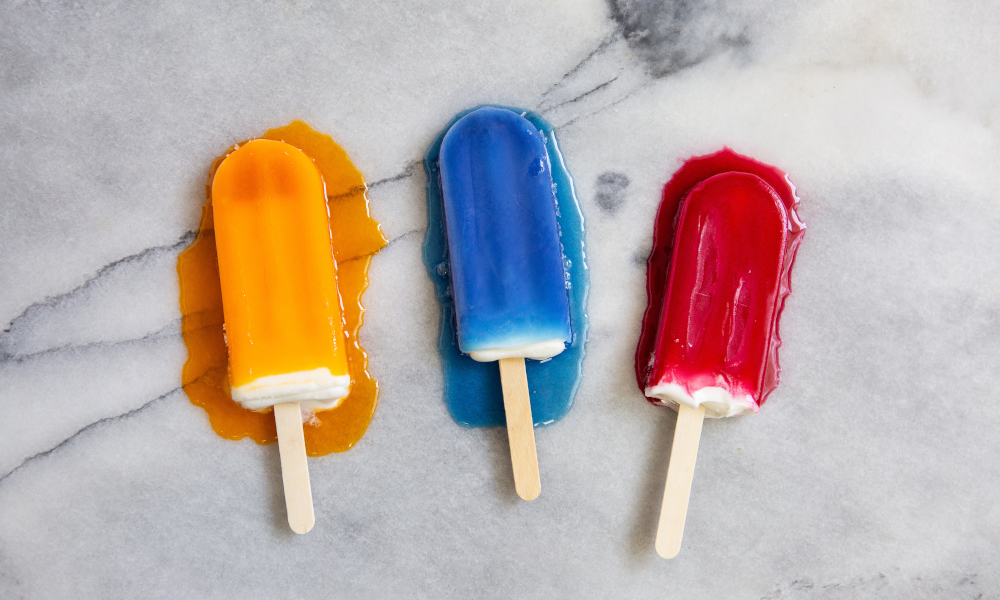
{"points": [[506, 266], [715, 331], [279, 286], [472, 390], [279, 295], [356, 239], [722, 297]]}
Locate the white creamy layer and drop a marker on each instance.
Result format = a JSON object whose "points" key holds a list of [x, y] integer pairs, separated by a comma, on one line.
{"points": [[718, 402], [313, 390], [539, 351]]}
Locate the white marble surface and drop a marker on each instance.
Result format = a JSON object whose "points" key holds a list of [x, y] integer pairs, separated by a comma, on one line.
{"points": [[872, 472]]}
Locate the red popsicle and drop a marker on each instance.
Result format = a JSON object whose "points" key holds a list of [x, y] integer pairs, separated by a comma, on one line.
{"points": [[710, 336], [715, 330]]}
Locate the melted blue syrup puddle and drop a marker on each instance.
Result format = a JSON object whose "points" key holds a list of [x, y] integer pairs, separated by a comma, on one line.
{"points": [[472, 389]]}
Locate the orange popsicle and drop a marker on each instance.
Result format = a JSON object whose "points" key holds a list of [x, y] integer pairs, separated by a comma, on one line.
{"points": [[279, 288], [282, 310]]}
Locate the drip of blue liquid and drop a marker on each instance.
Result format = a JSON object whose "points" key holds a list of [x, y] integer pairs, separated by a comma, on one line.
{"points": [[472, 389]]}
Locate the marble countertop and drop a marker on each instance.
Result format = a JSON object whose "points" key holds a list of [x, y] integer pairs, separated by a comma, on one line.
{"points": [[872, 471]]}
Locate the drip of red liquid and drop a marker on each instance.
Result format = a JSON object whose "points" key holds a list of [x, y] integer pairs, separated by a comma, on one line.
{"points": [[717, 286]]}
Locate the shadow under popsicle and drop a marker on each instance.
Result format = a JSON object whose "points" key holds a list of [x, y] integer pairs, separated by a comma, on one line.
{"points": [[647, 508]]}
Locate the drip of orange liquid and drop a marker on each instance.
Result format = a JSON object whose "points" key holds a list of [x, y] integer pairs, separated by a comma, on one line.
{"points": [[356, 237]]}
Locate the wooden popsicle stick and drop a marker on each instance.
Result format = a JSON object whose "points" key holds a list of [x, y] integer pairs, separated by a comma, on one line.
{"points": [[520, 428], [294, 470], [680, 472]]}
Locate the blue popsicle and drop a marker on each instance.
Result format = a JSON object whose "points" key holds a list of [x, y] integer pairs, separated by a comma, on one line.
{"points": [[507, 272], [472, 390], [506, 263]]}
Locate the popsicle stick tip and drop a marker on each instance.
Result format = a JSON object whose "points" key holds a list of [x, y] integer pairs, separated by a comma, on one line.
{"points": [[529, 490], [301, 524], [668, 550]]}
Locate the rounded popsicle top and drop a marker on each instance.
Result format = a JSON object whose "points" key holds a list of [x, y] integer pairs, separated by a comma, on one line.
{"points": [[499, 134], [264, 168], [506, 264]]}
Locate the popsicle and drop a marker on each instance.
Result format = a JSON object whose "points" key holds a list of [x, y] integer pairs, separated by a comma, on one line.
{"points": [[280, 301], [357, 237], [508, 278], [715, 333], [472, 391]]}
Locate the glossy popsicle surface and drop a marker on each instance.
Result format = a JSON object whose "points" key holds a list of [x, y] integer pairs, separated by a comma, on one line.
{"points": [[472, 390], [721, 304], [279, 288], [506, 266]]}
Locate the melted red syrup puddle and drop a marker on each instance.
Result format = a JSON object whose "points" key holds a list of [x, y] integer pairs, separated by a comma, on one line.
{"points": [[729, 190]]}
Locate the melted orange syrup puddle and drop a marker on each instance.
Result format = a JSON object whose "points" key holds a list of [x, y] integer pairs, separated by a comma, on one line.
{"points": [[356, 237]]}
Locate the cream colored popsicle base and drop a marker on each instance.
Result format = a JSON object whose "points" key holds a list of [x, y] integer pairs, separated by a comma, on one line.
{"points": [[294, 470], [719, 403], [538, 351], [520, 428], [318, 389], [680, 473]]}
